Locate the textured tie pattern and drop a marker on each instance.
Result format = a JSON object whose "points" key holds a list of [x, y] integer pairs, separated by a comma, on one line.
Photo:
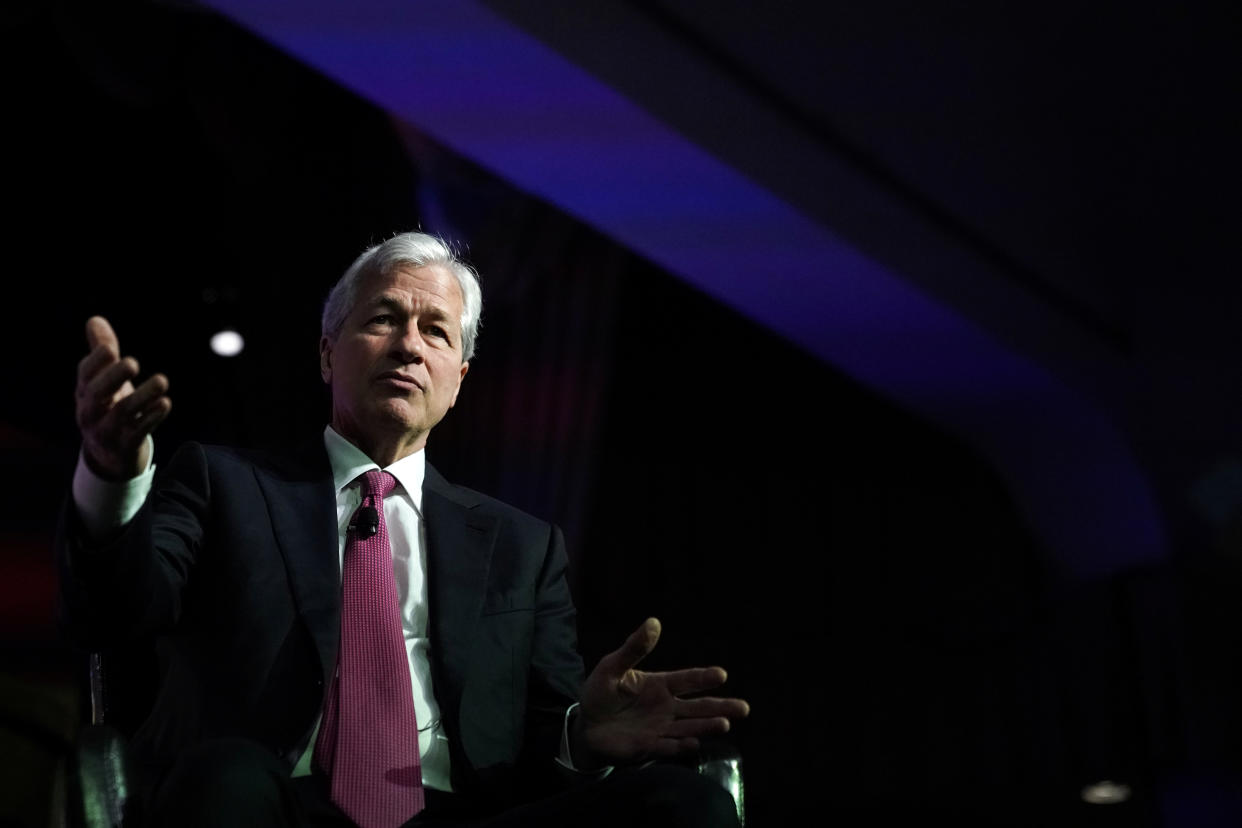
{"points": [[368, 739]]}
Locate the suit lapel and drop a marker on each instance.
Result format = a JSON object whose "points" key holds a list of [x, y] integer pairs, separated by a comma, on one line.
{"points": [[459, 552], [302, 504]]}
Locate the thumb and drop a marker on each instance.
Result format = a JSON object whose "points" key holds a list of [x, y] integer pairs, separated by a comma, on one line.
{"points": [[639, 644], [99, 332]]}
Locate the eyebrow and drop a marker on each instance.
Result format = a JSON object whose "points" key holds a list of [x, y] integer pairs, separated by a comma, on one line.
{"points": [[433, 313], [385, 301]]}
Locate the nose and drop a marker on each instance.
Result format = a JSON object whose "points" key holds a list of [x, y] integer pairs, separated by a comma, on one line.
{"points": [[408, 346]]}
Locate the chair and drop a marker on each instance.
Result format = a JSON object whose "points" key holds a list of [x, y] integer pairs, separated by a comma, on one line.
{"points": [[722, 761], [101, 780]]}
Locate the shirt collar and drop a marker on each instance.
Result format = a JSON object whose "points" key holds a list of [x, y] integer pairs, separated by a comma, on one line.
{"points": [[348, 462]]}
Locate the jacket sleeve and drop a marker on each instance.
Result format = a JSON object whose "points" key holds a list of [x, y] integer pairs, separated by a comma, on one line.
{"points": [[556, 670], [132, 584]]}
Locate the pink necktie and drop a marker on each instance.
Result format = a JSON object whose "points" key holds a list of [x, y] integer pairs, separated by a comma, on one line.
{"points": [[368, 739]]}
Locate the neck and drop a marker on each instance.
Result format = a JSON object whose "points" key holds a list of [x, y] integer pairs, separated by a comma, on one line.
{"points": [[384, 450]]}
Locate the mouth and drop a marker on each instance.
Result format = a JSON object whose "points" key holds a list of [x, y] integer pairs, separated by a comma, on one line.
{"points": [[397, 379]]}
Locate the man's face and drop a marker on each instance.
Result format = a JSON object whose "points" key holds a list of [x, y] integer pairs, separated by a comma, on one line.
{"points": [[395, 367]]}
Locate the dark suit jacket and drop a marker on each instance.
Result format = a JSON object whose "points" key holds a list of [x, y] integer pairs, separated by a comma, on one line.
{"points": [[230, 571]]}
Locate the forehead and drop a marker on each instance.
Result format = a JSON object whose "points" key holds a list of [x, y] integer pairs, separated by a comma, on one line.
{"points": [[427, 286]]}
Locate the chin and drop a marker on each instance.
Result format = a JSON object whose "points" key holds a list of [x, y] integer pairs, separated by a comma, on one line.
{"points": [[398, 413]]}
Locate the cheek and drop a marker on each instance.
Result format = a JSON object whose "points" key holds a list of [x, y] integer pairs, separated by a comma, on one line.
{"points": [[352, 364], [452, 380]]}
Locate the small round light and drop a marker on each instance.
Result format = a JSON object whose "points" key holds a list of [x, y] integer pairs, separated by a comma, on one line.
{"points": [[227, 343], [1105, 792]]}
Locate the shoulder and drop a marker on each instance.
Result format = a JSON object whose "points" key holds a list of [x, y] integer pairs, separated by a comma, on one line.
{"points": [[299, 463], [435, 485]]}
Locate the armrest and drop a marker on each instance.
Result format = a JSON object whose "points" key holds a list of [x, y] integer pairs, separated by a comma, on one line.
{"points": [[101, 778], [102, 782], [722, 762]]}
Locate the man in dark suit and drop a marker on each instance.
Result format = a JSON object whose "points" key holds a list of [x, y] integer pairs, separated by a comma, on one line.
{"points": [[237, 568]]}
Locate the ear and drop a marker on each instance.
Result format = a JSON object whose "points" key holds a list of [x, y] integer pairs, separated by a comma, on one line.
{"points": [[325, 359], [465, 366]]}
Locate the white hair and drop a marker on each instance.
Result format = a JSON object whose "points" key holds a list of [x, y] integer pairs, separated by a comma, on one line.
{"points": [[416, 250]]}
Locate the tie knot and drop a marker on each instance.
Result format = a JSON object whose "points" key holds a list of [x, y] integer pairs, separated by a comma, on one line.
{"points": [[378, 484]]}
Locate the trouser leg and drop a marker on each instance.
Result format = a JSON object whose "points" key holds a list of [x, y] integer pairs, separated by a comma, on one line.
{"points": [[226, 782]]}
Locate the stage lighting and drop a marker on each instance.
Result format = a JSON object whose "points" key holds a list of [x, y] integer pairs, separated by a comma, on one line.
{"points": [[227, 343]]}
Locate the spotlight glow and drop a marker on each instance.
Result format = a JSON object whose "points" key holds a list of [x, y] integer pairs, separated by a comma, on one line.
{"points": [[227, 343], [1106, 792]]}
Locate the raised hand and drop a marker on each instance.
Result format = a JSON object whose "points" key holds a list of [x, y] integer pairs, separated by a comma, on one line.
{"points": [[114, 416], [628, 714]]}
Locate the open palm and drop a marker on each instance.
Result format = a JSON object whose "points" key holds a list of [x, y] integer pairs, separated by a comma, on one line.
{"points": [[627, 714]]}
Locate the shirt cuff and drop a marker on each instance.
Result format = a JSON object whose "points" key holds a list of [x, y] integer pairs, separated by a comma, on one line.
{"points": [[107, 505], [566, 761]]}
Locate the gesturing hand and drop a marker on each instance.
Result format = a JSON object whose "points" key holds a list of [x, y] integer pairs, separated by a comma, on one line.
{"points": [[114, 416], [628, 714]]}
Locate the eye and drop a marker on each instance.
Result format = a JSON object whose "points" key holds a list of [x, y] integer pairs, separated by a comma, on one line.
{"points": [[437, 330], [380, 319]]}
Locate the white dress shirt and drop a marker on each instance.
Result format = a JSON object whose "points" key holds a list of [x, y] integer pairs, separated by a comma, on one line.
{"points": [[407, 536]]}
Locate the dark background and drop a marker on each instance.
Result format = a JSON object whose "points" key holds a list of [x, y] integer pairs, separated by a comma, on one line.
{"points": [[909, 646]]}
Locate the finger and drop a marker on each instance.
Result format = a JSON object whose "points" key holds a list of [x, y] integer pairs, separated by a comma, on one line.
{"points": [[142, 397], [641, 642], [710, 707], [132, 428], [150, 418], [97, 399], [127, 432], [105, 385], [695, 728], [95, 361], [694, 680], [99, 332]]}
